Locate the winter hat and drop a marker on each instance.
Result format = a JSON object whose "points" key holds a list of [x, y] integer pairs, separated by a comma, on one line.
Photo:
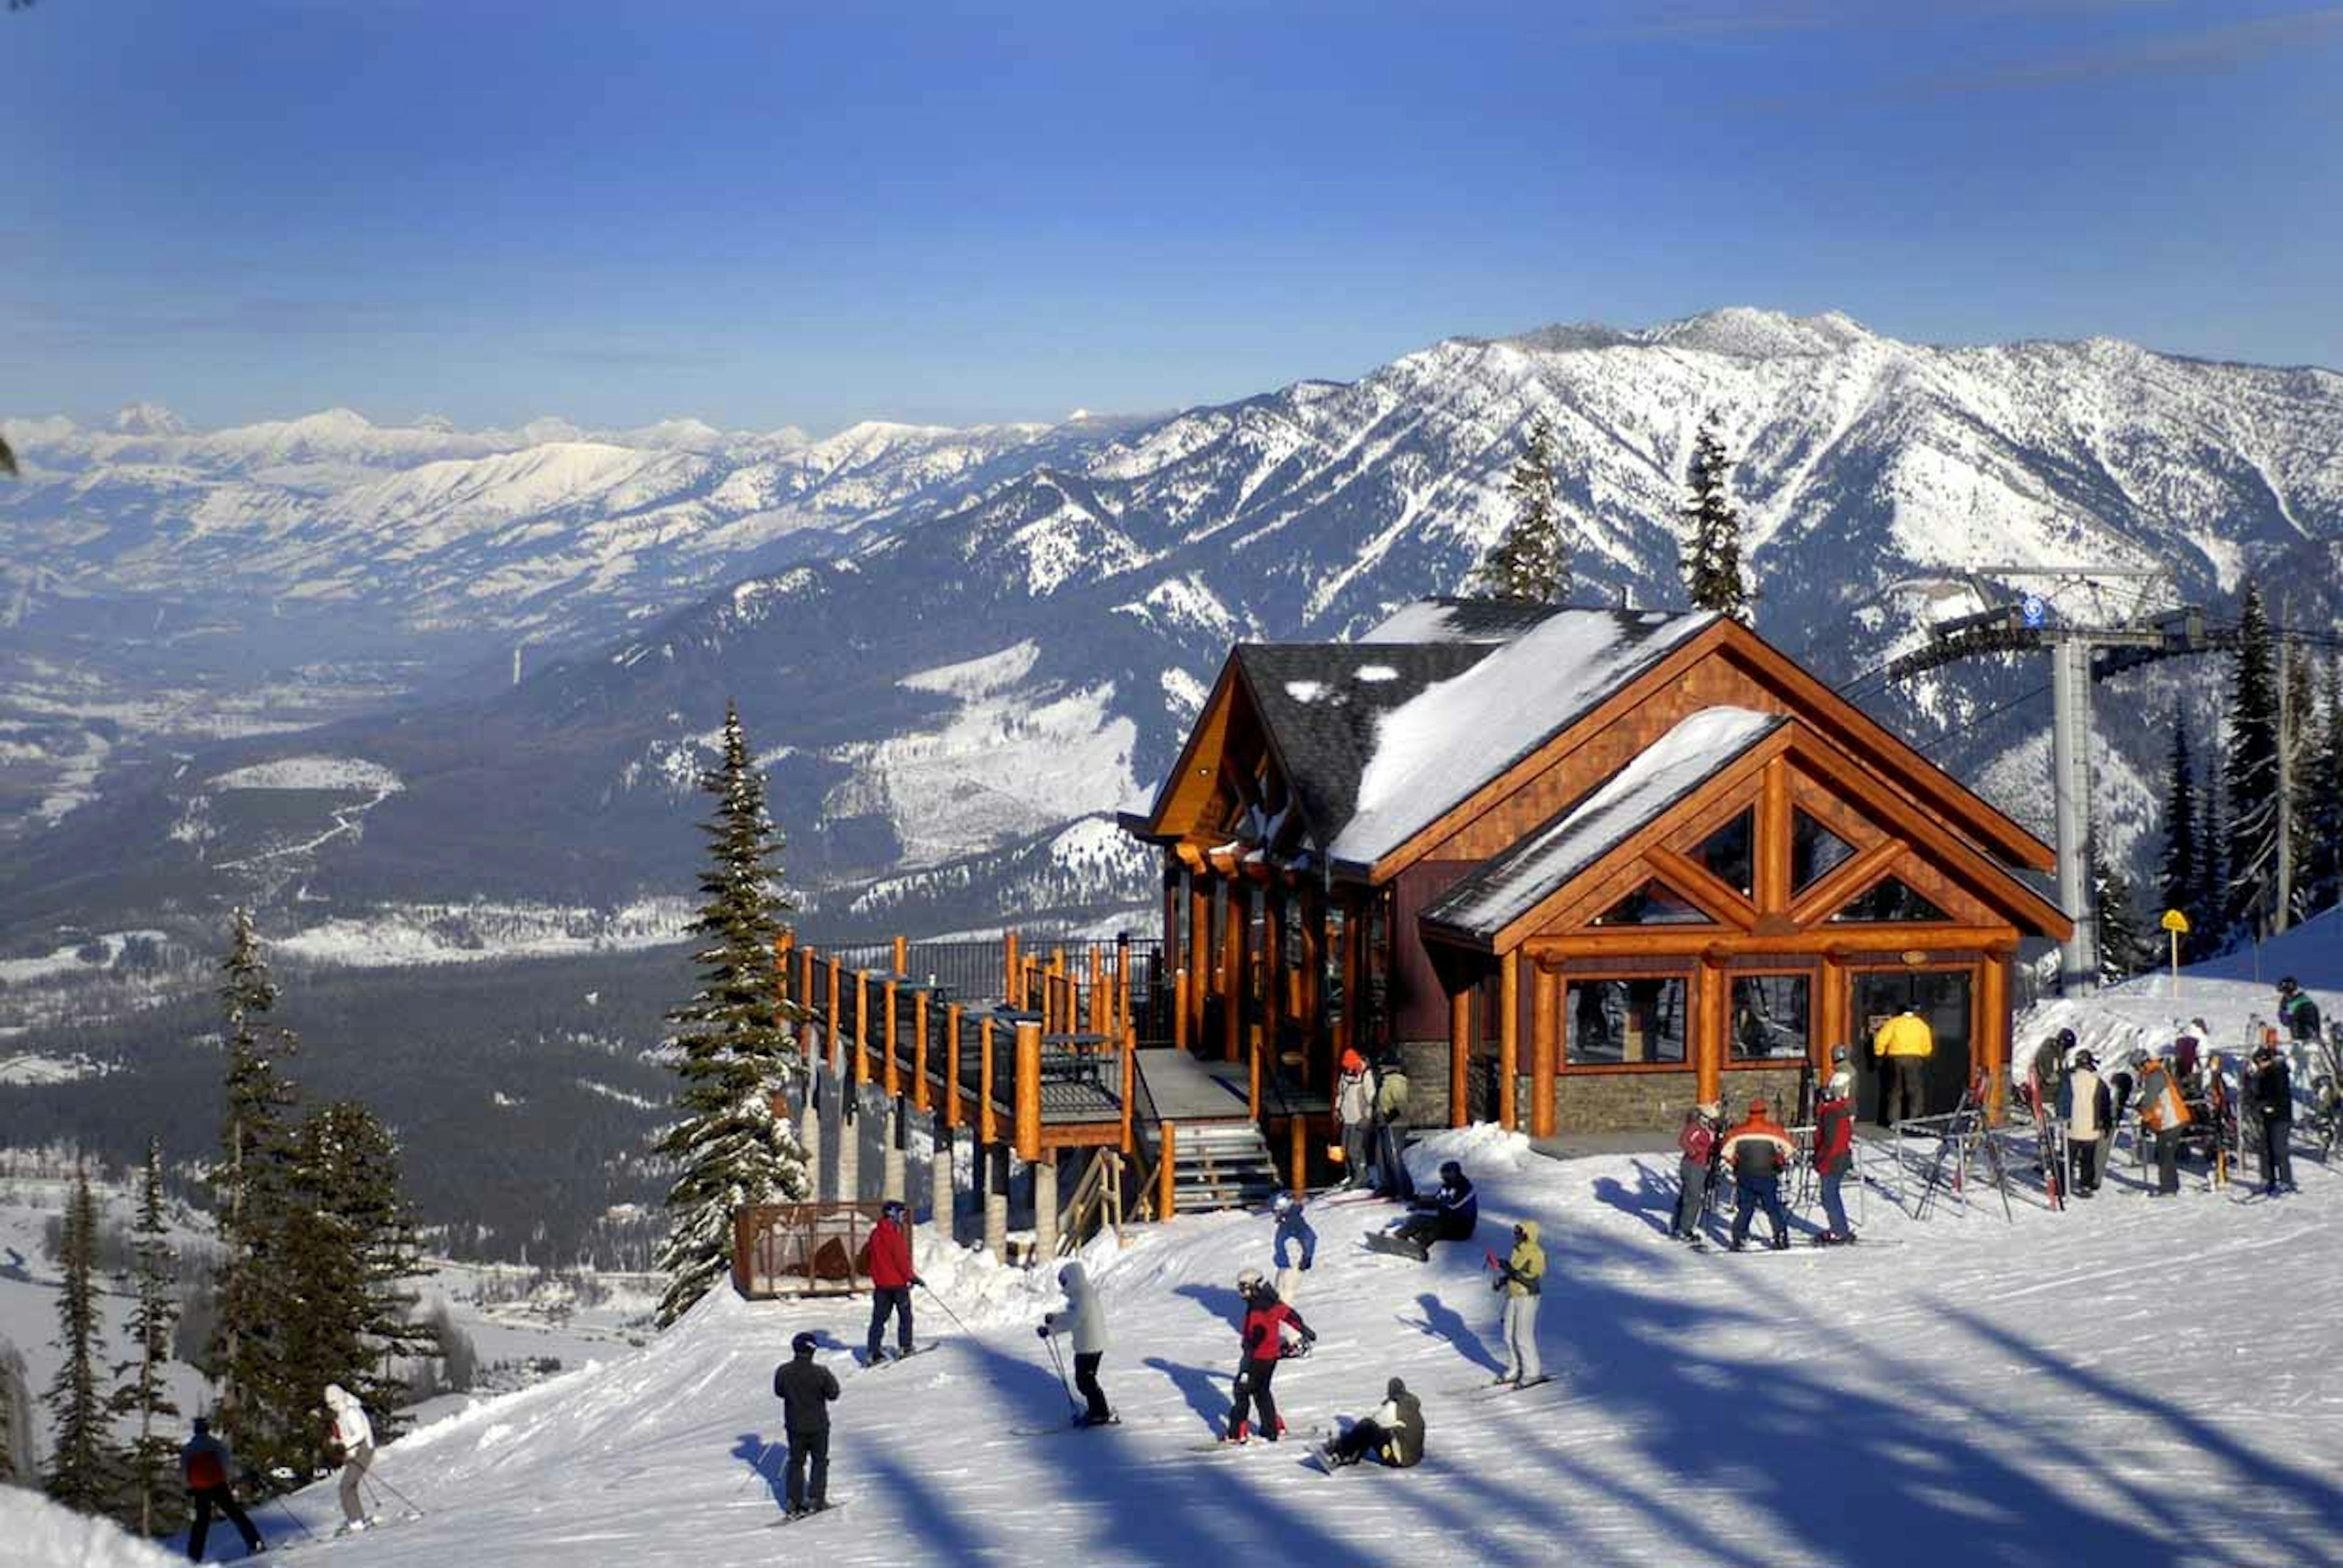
{"points": [[1712, 1108], [1353, 1062], [804, 1342], [1248, 1280], [1450, 1172], [2085, 1060], [1838, 1054], [2066, 1039], [892, 1209], [202, 1426], [1394, 1388]]}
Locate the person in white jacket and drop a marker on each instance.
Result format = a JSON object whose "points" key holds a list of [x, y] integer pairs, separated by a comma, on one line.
{"points": [[354, 1435], [1084, 1319]]}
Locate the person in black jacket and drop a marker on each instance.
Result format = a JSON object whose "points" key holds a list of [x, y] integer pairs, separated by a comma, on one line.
{"points": [[805, 1388], [1450, 1214], [208, 1465], [2271, 1088], [1393, 1434]]}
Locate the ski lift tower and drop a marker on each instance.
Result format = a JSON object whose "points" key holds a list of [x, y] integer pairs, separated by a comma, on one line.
{"points": [[2091, 621]]}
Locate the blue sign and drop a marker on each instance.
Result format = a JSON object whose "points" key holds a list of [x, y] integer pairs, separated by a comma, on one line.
{"points": [[2035, 610]]}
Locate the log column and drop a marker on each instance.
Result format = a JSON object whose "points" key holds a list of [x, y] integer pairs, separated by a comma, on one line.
{"points": [[1460, 1053], [1542, 1001], [1708, 1020], [1235, 936], [1509, 1040]]}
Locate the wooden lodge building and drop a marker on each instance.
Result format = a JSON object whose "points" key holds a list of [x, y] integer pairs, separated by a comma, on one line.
{"points": [[1580, 867]]}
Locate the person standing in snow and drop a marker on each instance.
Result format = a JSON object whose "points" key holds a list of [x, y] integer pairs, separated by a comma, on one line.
{"points": [[1759, 1150], [1355, 1110], [1391, 1132], [1522, 1277], [1393, 1434], [1296, 1246], [207, 1463], [1085, 1320], [891, 1279], [1450, 1214], [806, 1388], [352, 1435], [1261, 1346], [1835, 1148], [2087, 1107], [2164, 1114], [2270, 1091], [2297, 1011], [1696, 1143], [1904, 1043]]}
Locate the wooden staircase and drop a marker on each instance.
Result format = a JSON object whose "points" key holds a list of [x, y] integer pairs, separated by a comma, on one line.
{"points": [[1221, 1165]]}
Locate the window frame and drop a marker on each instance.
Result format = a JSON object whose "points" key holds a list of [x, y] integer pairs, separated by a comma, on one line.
{"points": [[1733, 1061], [1684, 971]]}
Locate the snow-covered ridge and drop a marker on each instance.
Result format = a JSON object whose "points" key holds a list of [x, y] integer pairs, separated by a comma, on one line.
{"points": [[331, 773]]}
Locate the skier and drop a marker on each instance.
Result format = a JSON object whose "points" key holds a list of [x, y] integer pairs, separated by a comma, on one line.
{"points": [[1393, 1434], [353, 1437], [1293, 1232], [1522, 1277], [891, 1279], [1450, 1214], [1391, 1131], [2087, 1108], [1261, 1347], [1835, 1149], [2270, 1091], [1696, 1139], [2297, 1011], [1904, 1043], [1758, 1149], [207, 1463], [1355, 1109], [805, 1388], [2163, 1112], [1085, 1320]]}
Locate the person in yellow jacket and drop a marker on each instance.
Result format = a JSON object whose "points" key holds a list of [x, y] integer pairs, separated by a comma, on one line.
{"points": [[2163, 1112], [1904, 1043], [1522, 1276]]}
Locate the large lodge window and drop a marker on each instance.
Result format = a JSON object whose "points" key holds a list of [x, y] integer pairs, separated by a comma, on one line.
{"points": [[1770, 1017], [1652, 904], [1815, 851], [1627, 1021], [1730, 853], [1889, 900]]}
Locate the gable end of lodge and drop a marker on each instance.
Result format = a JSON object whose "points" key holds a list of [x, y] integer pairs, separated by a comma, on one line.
{"points": [[1577, 868]]}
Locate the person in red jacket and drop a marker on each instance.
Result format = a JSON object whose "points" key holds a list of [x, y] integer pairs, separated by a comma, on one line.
{"points": [[207, 1463], [1265, 1334], [1835, 1148], [891, 1279]]}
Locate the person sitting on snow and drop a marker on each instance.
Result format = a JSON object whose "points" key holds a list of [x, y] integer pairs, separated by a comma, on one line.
{"points": [[1450, 1214], [1394, 1436], [1084, 1319], [1759, 1149]]}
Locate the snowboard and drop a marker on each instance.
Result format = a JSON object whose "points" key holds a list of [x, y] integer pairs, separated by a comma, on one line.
{"points": [[886, 1361], [311, 1542], [1391, 1246]]}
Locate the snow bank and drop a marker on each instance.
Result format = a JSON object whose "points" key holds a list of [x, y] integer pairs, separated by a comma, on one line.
{"points": [[35, 1532]]}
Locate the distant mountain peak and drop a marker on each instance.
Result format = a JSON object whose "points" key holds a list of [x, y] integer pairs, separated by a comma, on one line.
{"points": [[1748, 332], [148, 419]]}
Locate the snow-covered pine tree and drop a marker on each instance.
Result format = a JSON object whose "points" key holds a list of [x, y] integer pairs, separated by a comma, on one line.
{"points": [[1712, 563], [2123, 949], [2250, 773], [2299, 737], [140, 1390], [2178, 884], [250, 1186], [2323, 774], [732, 1042], [84, 1465], [1530, 561], [2211, 933], [17, 1458]]}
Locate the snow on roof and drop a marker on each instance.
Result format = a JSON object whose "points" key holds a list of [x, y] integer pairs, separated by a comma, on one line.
{"points": [[1447, 741], [1460, 621], [1672, 767]]}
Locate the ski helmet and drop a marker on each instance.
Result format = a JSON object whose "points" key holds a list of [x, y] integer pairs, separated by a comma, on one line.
{"points": [[1248, 1281], [1838, 1053], [1283, 1203]]}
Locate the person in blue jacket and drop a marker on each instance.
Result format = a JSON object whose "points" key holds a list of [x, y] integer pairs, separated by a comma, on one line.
{"points": [[1296, 1246], [1449, 1214]]}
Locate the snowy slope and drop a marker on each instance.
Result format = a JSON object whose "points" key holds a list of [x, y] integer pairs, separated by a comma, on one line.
{"points": [[2058, 1391]]}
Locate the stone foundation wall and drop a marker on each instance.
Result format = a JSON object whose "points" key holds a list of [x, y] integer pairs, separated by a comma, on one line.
{"points": [[1620, 1101], [1778, 1085]]}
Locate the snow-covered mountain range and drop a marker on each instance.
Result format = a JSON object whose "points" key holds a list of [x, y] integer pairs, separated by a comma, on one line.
{"points": [[955, 646]]}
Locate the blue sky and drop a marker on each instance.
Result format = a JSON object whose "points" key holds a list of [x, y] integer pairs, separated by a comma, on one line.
{"points": [[772, 213]]}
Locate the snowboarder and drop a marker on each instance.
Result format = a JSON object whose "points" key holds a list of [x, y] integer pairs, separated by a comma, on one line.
{"points": [[1355, 1109], [1904, 1043], [353, 1434], [1450, 1214], [891, 1279], [1835, 1148], [1262, 1346], [806, 1389], [2087, 1108], [1522, 1277], [2270, 1091], [1296, 1246], [1391, 1132], [1758, 1149], [207, 1463], [1084, 1319], [1393, 1434], [2165, 1114], [2297, 1011], [1696, 1142]]}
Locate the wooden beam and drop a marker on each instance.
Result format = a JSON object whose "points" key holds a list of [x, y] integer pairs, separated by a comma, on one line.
{"points": [[1460, 1052], [1167, 1134], [1543, 992], [1991, 1030], [832, 1045], [861, 1027], [1272, 973], [1235, 936], [1012, 978], [1773, 846], [1706, 1029], [1843, 881], [1509, 1043], [953, 1089], [987, 1126], [902, 955], [920, 1099], [1199, 935], [1720, 902], [1686, 944], [1029, 1091], [887, 996]]}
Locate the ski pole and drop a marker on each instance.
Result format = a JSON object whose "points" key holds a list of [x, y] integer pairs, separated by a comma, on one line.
{"points": [[946, 1305], [1059, 1362], [395, 1492], [292, 1518]]}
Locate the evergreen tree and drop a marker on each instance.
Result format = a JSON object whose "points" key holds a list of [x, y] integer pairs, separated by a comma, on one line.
{"points": [[2299, 737], [1530, 561], [140, 1390], [2250, 774], [2211, 930], [731, 1042], [1713, 564], [2323, 803], [17, 1453], [251, 1185], [84, 1465], [2178, 882], [2123, 949]]}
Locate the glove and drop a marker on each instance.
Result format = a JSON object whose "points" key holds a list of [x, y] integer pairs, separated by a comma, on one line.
{"points": [[1498, 1283], [1308, 1338], [919, 1282], [1042, 1332]]}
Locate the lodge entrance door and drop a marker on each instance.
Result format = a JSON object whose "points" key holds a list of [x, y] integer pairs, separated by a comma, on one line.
{"points": [[1943, 998]]}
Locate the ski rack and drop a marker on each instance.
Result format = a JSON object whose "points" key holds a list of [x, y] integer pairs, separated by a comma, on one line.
{"points": [[1960, 1134]]}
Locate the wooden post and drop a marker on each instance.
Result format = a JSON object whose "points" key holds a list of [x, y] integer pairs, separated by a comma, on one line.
{"points": [[890, 1158], [1992, 1027], [1200, 932], [861, 1027], [1310, 1005], [1298, 1152], [1346, 1027], [1273, 973], [783, 940], [1130, 1088], [995, 1158], [887, 995], [1008, 985], [1180, 1002], [1166, 1188], [1459, 1050], [1542, 1043], [1097, 991], [805, 996], [902, 955], [953, 1089], [1124, 1026], [943, 1199], [1236, 935], [1029, 1091], [920, 1049], [987, 1128], [1709, 1028], [829, 1032], [1045, 1208], [1509, 1040], [1772, 849]]}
